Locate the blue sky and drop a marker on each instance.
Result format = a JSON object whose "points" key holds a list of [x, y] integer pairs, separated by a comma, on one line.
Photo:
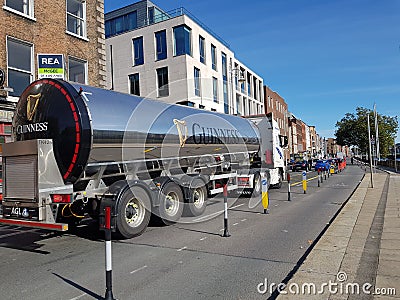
{"points": [[325, 58]]}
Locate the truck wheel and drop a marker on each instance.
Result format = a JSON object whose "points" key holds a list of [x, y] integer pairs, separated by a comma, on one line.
{"points": [[171, 203], [256, 185], [197, 202], [133, 212]]}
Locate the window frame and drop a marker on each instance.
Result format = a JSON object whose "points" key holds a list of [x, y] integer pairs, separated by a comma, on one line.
{"points": [[202, 49], [138, 61], [131, 84], [15, 69], [79, 60], [184, 52], [83, 20], [214, 58], [161, 88], [163, 44], [215, 89], [197, 82], [29, 15]]}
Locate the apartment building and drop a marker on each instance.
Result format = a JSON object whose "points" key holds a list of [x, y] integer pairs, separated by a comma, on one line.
{"points": [[173, 57], [332, 147], [64, 38]]}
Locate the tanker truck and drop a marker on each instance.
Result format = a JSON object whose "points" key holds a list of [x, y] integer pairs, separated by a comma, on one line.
{"points": [[77, 148]]}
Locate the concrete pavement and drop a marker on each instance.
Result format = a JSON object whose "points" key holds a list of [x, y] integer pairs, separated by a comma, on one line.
{"points": [[358, 257]]}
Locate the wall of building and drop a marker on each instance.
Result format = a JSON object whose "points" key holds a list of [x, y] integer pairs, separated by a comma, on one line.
{"points": [[120, 64], [46, 31]]}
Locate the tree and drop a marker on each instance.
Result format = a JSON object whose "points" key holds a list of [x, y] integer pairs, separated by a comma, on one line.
{"points": [[352, 130]]}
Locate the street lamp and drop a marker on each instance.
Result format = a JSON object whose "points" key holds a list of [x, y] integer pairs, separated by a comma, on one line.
{"points": [[237, 73]]}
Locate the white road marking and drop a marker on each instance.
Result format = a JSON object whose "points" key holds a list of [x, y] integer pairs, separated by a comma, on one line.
{"points": [[222, 229], [235, 224], [243, 220], [137, 270], [183, 248], [202, 239], [216, 213]]}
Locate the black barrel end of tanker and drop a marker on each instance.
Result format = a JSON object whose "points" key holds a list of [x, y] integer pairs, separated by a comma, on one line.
{"points": [[54, 109]]}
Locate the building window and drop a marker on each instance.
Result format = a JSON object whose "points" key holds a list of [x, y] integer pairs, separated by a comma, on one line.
{"points": [[215, 89], [76, 17], [134, 83], [197, 88], [162, 79], [151, 15], [22, 6], [121, 24], [238, 108], [214, 57], [77, 70], [19, 65], [138, 57], [183, 43], [202, 49], [161, 45], [249, 85], [224, 82], [255, 90]]}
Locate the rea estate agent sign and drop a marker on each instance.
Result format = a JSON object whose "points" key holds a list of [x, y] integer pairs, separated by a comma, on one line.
{"points": [[51, 66]]}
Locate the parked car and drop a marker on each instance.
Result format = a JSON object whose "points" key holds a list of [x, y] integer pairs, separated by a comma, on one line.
{"points": [[300, 165], [324, 165]]}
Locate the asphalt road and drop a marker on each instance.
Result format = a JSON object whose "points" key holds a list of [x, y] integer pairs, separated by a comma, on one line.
{"points": [[184, 261]]}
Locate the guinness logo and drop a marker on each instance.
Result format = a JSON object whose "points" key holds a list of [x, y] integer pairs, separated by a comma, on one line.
{"points": [[31, 106], [182, 131]]}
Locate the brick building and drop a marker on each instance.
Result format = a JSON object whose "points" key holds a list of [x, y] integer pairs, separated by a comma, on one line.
{"points": [[71, 28], [274, 103]]}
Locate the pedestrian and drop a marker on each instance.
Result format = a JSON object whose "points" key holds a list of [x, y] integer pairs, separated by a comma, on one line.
{"points": [[351, 160]]}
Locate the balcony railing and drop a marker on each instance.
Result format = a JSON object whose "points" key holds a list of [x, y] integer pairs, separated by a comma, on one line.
{"points": [[163, 16]]}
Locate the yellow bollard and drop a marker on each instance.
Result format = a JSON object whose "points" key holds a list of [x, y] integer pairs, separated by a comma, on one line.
{"points": [[304, 181], [264, 197], [332, 170]]}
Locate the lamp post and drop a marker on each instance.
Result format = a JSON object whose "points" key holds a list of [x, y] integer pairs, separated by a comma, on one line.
{"points": [[370, 152], [395, 155], [237, 73]]}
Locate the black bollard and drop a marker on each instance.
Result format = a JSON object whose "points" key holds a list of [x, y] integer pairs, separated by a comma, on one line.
{"points": [[226, 232], [109, 293]]}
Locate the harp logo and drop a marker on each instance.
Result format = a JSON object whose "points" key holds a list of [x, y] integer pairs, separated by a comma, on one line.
{"points": [[31, 106], [182, 131]]}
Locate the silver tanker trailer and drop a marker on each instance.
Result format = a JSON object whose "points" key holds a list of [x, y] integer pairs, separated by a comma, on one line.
{"points": [[77, 147]]}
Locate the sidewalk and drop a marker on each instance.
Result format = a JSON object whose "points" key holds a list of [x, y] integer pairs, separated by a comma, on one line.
{"points": [[359, 250]]}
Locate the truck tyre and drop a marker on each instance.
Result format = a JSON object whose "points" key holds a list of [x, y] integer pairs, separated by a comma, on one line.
{"points": [[197, 202], [256, 185], [133, 212], [171, 203]]}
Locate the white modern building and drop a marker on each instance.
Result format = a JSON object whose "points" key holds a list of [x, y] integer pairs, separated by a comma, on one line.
{"points": [[173, 57]]}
